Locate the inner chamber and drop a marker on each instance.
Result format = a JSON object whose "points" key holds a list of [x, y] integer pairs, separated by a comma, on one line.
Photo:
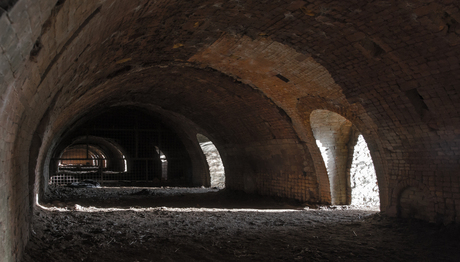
{"points": [[122, 146]]}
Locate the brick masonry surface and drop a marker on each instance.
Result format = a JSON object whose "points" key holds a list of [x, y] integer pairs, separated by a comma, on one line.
{"points": [[248, 74]]}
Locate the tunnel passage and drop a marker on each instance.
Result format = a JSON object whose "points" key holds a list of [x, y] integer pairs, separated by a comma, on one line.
{"points": [[121, 145], [347, 158], [78, 161], [261, 150], [404, 81]]}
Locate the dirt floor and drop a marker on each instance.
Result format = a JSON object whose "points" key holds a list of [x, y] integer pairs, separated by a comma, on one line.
{"points": [[194, 224]]}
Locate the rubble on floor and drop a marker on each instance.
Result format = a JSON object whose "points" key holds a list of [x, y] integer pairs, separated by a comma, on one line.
{"points": [[201, 224]]}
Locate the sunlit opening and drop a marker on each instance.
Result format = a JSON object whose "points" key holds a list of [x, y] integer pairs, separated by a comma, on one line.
{"points": [[347, 159], [323, 151], [216, 167], [125, 164], [164, 164], [363, 180]]}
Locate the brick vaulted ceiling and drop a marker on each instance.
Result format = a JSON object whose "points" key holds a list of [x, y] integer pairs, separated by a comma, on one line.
{"points": [[244, 72]]}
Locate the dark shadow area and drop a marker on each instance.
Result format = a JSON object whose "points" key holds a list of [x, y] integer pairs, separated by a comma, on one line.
{"points": [[119, 146], [6, 5]]}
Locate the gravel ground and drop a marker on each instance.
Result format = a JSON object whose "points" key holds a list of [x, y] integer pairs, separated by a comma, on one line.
{"points": [[196, 224]]}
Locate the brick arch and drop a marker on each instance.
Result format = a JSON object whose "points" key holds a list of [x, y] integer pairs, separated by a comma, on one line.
{"points": [[216, 177], [287, 80], [360, 119], [109, 147], [249, 171], [298, 83], [57, 131], [407, 88], [353, 119]]}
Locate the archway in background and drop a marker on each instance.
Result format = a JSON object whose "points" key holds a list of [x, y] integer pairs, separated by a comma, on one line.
{"points": [[164, 164], [348, 162], [216, 167], [87, 157], [134, 147], [83, 155]]}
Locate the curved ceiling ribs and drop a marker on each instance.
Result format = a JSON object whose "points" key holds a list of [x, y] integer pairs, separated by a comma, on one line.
{"points": [[247, 74], [234, 113], [147, 56]]}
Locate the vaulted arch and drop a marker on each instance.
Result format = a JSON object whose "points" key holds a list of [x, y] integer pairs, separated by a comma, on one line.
{"points": [[247, 74], [350, 168]]}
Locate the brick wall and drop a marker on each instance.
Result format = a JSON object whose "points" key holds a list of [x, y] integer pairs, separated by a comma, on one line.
{"points": [[275, 167], [19, 27], [414, 203]]}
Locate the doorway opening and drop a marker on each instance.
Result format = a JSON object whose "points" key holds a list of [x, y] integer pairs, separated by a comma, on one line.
{"points": [[216, 166], [363, 180], [348, 161]]}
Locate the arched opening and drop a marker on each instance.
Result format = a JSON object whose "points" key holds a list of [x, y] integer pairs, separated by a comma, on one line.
{"points": [[363, 180], [164, 164], [122, 146], [82, 156], [77, 163], [216, 167], [347, 159], [87, 157]]}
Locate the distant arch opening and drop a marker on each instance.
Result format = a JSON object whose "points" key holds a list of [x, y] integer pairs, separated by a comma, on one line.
{"points": [[82, 156], [88, 158], [348, 162], [216, 166], [122, 146], [164, 164]]}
